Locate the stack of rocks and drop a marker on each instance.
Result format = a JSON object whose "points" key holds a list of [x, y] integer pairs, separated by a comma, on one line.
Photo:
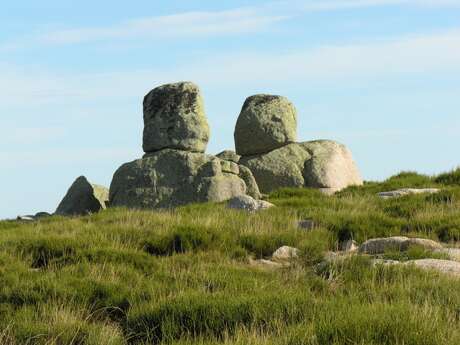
{"points": [[175, 170], [265, 138]]}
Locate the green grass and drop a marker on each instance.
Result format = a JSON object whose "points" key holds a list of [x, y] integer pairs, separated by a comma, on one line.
{"points": [[184, 276]]}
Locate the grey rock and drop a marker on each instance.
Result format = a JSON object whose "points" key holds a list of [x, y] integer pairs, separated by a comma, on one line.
{"points": [[349, 246], [285, 253], [252, 189], [380, 245], [267, 264], [174, 117], [26, 218], [247, 203], [266, 122], [83, 198], [170, 178], [443, 266], [452, 253], [42, 215], [399, 243], [323, 164], [407, 191], [229, 155], [307, 224]]}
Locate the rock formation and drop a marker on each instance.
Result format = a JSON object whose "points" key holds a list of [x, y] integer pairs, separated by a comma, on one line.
{"points": [[175, 170], [265, 136], [83, 198]]}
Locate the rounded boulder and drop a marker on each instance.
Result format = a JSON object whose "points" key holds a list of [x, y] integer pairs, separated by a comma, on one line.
{"points": [[266, 122]]}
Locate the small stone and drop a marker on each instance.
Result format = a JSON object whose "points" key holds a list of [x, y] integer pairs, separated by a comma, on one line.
{"points": [[307, 224], [42, 215], [247, 203], [285, 253], [349, 246], [27, 218], [407, 191]]}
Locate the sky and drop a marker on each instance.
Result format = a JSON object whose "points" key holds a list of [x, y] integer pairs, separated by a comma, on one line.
{"points": [[380, 76]]}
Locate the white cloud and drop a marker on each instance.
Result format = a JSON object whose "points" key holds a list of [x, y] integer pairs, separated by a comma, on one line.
{"points": [[190, 24], [398, 57]]}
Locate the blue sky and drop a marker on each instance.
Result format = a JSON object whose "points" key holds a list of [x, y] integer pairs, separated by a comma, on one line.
{"points": [[380, 76]]}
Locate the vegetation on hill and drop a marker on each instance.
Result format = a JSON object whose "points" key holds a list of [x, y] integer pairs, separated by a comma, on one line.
{"points": [[184, 276]]}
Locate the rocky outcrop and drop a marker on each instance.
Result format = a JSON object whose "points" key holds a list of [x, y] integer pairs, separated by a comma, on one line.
{"points": [[266, 123], [265, 137], [175, 170], [170, 178], [83, 198], [174, 118]]}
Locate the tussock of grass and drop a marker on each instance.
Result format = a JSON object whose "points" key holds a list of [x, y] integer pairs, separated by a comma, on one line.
{"points": [[184, 276]]}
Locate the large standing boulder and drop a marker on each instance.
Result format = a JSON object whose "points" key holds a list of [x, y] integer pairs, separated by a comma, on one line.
{"points": [[170, 178], [83, 198], [322, 164], [174, 118], [265, 123]]}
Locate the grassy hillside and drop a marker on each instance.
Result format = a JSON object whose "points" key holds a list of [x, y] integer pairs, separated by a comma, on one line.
{"points": [[184, 276]]}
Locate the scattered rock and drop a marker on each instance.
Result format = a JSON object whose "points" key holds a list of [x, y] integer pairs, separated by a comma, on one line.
{"points": [[399, 243], [170, 178], [349, 246], [267, 264], [443, 266], [265, 123], [174, 118], [27, 218], [407, 191], [285, 253], [425, 243], [247, 203], [83, 198], [229, 155], [307, 224], [325, 165], [42, 215], [452, 253]]}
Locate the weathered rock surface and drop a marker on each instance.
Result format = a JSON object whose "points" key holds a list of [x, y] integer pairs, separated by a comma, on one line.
{"points": [[229, 155], [400, 243], [285, 253], [83, 198], [247, 203], [443, 266], [252, 189], [170, 178], [174, 117], [323, 164], [452, 253], [407, 191], [266, 122]]}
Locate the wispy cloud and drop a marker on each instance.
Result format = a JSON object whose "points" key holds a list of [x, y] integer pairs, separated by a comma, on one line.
{"points": [[190, 24], [400, 56], [331, 5]]}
